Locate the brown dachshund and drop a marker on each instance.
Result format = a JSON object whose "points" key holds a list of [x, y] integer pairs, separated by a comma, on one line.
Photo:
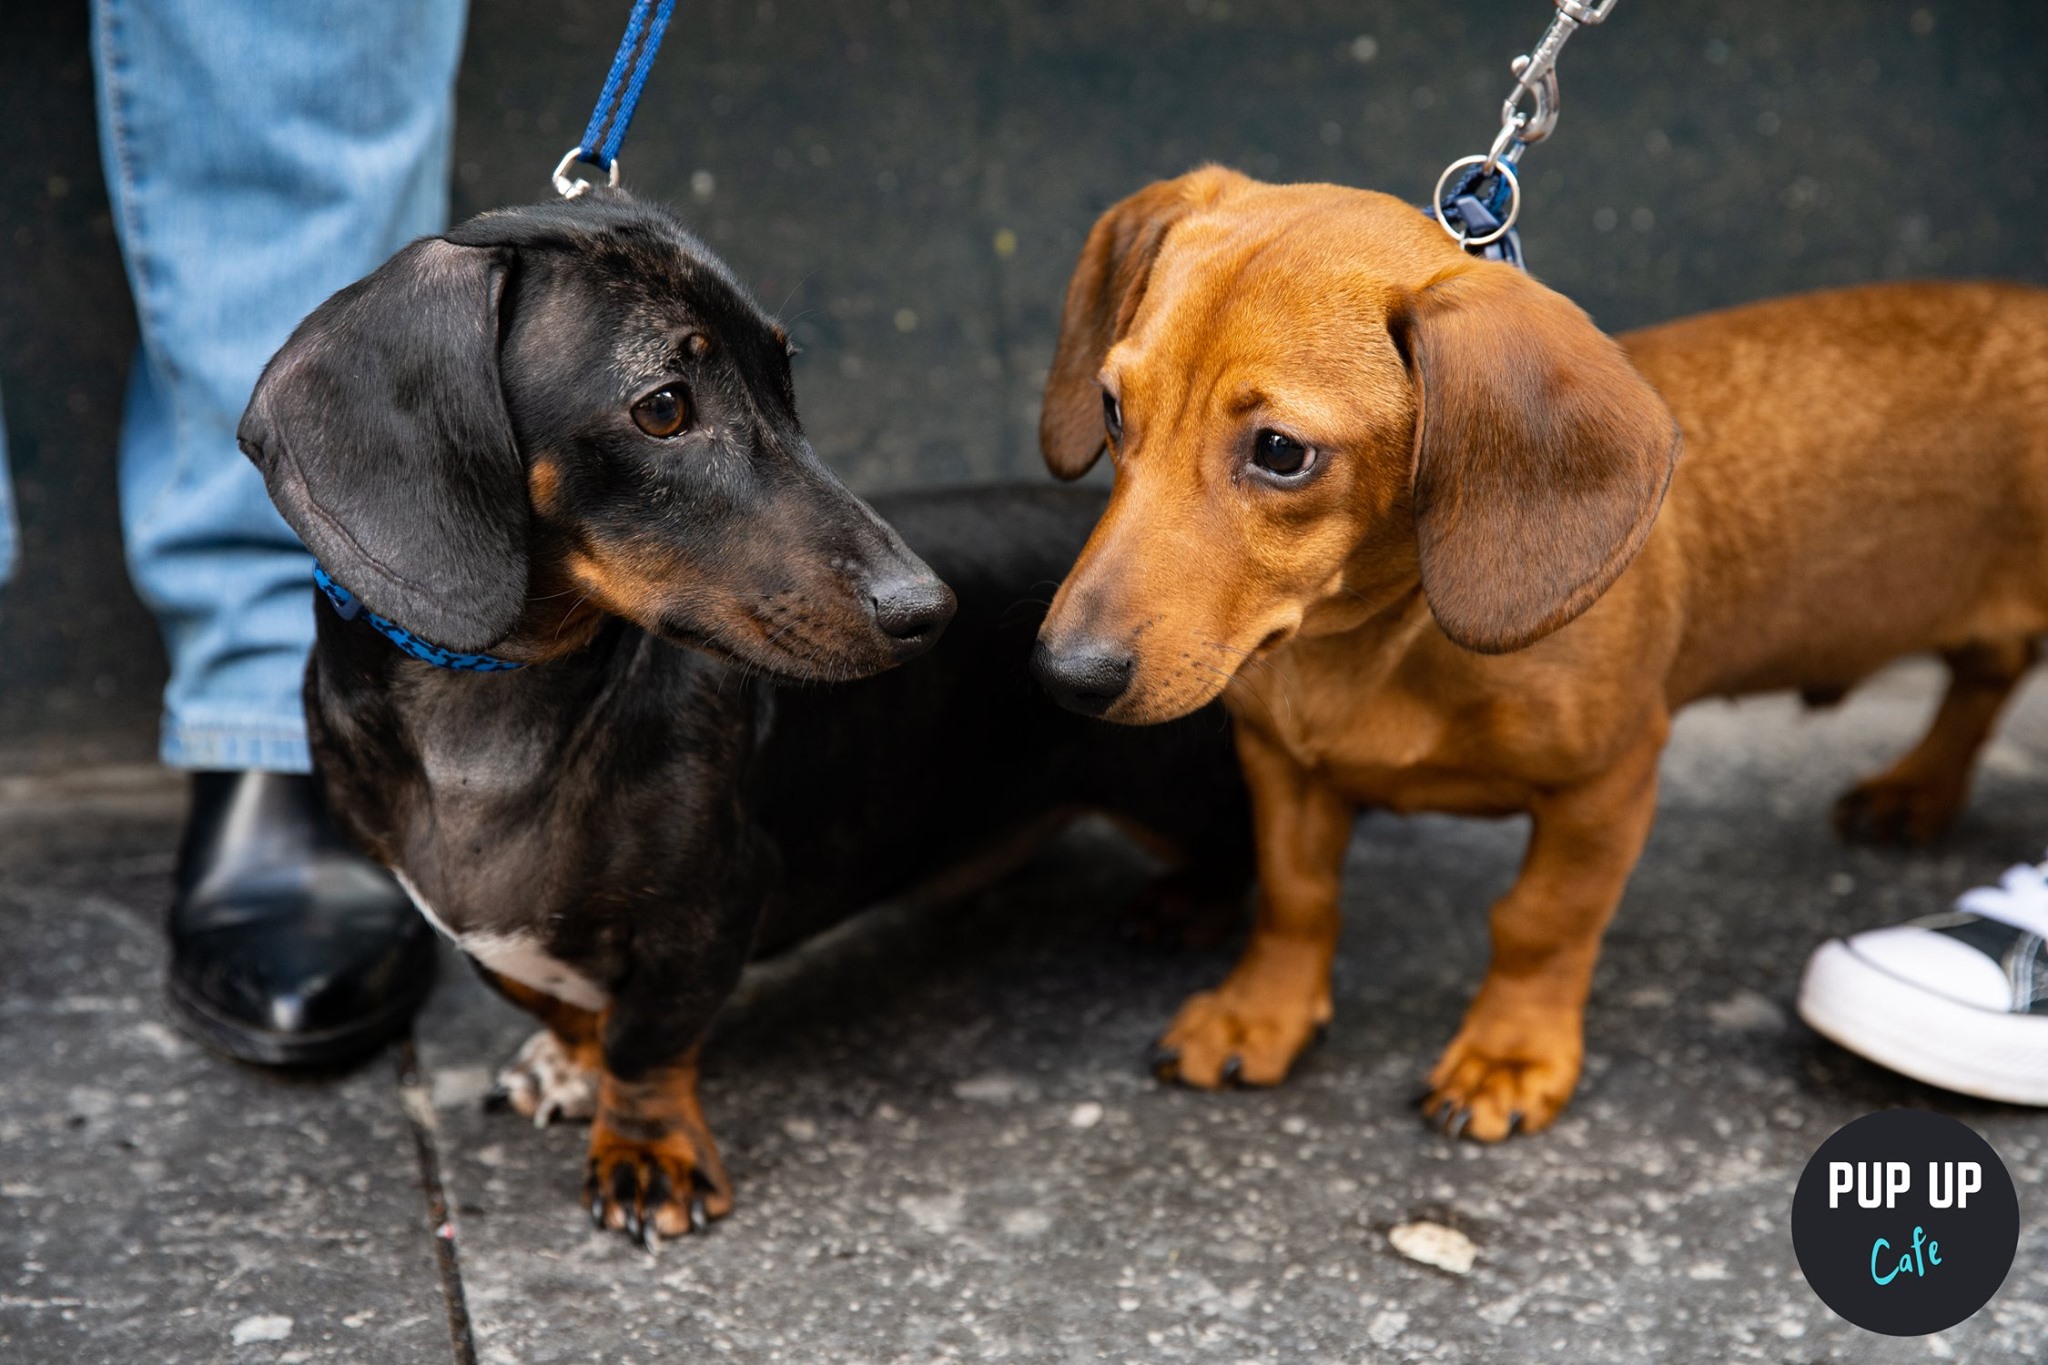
{"points": [[1400, 507]]}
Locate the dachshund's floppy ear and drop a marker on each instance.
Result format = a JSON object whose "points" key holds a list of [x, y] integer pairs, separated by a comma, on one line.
{"points": [[382, 435], [1108, 283], [1541, 455]]}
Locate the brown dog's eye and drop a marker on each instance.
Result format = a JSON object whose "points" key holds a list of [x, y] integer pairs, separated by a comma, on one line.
{"points": [[662, 413], [1112, 416], [1282, 455]]}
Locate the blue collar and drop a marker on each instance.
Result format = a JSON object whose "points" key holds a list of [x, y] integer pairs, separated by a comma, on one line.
{"points": [[346, 605]]}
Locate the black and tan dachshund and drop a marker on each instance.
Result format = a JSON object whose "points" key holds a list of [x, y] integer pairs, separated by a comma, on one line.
{"points": [[567, 436]]}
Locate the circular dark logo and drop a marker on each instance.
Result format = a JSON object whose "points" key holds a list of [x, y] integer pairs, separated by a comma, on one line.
{"points": [[1905, 1222]]}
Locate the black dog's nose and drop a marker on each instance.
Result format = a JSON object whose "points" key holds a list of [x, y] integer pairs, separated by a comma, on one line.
{"points": [[1088, 678], [912, 609]]}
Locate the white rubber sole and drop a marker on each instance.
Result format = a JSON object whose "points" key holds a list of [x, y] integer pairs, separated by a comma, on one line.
{"points": [[1986, 1053]]}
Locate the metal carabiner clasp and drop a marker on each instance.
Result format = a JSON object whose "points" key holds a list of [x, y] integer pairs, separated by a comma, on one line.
{"points": [[1536, 125], [1536, 77], [1525, 128], [1535, 82], [1588, 15]]}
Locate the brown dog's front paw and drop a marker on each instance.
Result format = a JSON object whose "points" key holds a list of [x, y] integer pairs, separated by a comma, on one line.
{"points": [[651, 1190], [1897, 810], [1492, 1096], [1232, 1037]]}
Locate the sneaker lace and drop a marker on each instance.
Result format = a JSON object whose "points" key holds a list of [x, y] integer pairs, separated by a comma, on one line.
{"points": [[2020, 899]]}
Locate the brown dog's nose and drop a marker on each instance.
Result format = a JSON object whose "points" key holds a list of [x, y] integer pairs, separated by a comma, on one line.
{"points": [[1087, 678], [912, 610]]}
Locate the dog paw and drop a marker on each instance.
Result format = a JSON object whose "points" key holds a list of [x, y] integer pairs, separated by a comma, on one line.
{"points": [[655, 1189], [1897, 810], [1231, 1037], [546, 1081], [1491, 1096]]}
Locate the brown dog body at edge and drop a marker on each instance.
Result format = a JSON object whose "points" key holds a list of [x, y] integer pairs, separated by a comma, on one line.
{"points": [[1402, 509]]}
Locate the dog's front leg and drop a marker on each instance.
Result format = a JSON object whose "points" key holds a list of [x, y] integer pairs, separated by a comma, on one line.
{"points": [[1516, 1060], [1268, 1010], [654, 1170]]}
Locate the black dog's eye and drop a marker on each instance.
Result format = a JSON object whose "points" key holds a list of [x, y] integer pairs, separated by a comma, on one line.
{"points": [[1282, 455], [662, 413], [1112, 416]]}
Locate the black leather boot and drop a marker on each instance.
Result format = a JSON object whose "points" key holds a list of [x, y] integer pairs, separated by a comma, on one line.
{"points": [[288, 947]]}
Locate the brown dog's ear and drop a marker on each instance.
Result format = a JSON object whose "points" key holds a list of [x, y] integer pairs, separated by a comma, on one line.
{"points": [[1541, 455], [1101, 298]]}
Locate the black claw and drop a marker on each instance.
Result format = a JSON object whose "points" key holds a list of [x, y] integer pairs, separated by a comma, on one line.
{"points": [[1455, 1129], [1163, 1061], [1514, 1122], [635, 1225], [647, 1236], [596, 1206], [497, 1100], [1443, 1113], [1322, 1032], [1233, 1069], [699, 1219]]}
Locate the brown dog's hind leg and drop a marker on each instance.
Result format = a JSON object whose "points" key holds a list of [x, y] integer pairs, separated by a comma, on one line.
{"points": [[654, 1170], [1269, 1009], [554, 1073], [1918, 798], [1516, 1059]]}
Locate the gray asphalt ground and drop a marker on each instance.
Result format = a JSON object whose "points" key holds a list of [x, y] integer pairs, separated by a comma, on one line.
{"points": [[944, 1141]]}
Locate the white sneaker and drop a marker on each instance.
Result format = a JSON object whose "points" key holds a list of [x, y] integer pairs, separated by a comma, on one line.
{"points": [[1957, 1000]]}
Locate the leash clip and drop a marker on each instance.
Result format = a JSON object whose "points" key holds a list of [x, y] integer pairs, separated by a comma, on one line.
{"points": [[1536, 81], [570, 189], [621, 96]]}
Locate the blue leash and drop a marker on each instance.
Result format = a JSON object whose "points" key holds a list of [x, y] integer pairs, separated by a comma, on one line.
{"points": [[348, 608], [621, 95]]}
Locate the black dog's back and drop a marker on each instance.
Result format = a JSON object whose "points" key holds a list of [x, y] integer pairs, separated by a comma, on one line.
{"points": [[957, 761]]}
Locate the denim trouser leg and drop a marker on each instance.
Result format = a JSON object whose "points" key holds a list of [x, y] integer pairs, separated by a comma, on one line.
{"points": [[259, 155]]}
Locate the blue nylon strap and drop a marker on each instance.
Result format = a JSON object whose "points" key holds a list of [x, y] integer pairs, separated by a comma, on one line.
{"points": [[348, 608], [614, 112]]}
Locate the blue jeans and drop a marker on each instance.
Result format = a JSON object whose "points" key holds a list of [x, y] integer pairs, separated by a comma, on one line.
{"points": [[259, 155]]}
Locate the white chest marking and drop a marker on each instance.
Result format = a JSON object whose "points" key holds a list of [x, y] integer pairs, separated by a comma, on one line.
{"points": [[518, 956]]}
